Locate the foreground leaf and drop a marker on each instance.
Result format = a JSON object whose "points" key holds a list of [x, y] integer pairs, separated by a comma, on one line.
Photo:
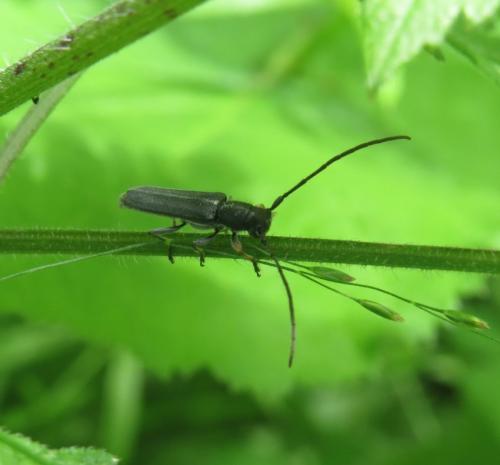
{"points": [[480, 45], [395, 31], [19, 450]]}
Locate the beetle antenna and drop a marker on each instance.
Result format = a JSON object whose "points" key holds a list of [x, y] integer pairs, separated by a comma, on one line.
{"points": [[291, 308], [324, 166]]}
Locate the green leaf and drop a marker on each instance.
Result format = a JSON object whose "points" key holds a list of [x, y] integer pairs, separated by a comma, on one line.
{"points": [[480, 45], [396, 30], [19, 450], [136, 120]]}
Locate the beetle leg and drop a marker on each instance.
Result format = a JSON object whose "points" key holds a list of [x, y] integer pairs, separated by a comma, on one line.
{"points": [[201, 253], [198, 244], [203, 241], [238, 248], [160, 232], [170, 253]]}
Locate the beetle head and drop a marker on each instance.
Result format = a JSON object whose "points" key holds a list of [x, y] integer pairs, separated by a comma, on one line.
{"points": [[261, 222]]}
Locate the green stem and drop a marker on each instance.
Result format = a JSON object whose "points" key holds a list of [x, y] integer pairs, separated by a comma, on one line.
{"points": [[30, 124], [85, 242], [117, 26]]}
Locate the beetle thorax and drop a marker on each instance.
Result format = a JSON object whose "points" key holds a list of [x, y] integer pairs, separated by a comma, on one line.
{"points": [[242, 216]]}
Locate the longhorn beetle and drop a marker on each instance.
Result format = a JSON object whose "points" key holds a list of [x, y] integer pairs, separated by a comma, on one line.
{"points": [[213, 210]]}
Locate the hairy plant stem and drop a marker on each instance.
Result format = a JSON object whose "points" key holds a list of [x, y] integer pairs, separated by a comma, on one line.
{"points": [[119, 25], [85, 242]]}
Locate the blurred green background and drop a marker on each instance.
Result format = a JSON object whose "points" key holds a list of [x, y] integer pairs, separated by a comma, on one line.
{"points": [[178, 364]]}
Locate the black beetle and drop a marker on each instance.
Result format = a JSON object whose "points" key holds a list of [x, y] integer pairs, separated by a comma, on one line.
{"points": [[213, 210]]}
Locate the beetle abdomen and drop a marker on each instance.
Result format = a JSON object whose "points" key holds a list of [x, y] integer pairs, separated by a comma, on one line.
{"points": [[192, 206]]}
